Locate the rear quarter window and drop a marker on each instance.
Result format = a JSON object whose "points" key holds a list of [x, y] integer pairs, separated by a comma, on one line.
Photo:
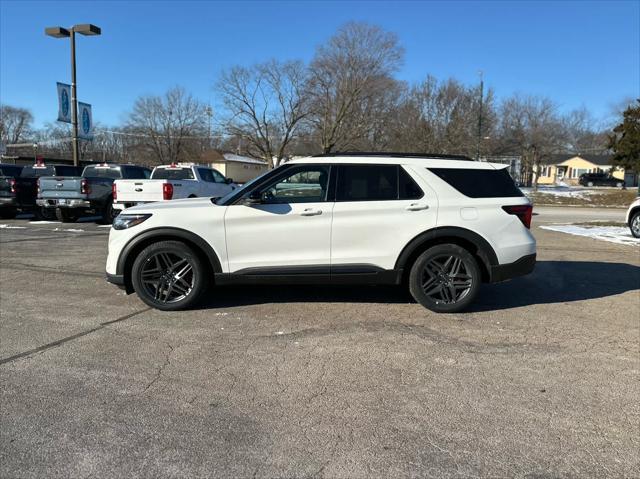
{"points": [[476, 183]]}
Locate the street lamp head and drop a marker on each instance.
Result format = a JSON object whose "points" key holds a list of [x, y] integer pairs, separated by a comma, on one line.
{"points": [[87, 29], [57, 32]]}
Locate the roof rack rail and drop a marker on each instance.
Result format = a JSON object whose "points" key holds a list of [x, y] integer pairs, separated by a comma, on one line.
{"points": [[394, 154]]}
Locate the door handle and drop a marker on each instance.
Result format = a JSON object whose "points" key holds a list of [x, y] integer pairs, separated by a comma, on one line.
{"points": [[311, 212], [417, 207]]}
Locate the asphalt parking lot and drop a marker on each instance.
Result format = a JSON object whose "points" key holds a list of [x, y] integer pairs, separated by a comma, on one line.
{"points": [[540, 380]]}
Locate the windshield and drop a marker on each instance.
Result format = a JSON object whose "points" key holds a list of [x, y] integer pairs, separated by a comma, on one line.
{"points": [[172, 174], [237, 193]]}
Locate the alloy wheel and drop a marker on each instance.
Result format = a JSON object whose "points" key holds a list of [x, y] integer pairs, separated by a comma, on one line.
{"points": [[446, 279], [167, 277], [635, 226]]}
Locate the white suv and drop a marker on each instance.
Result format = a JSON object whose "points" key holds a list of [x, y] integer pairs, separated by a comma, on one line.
{"points": [[441, 224]]}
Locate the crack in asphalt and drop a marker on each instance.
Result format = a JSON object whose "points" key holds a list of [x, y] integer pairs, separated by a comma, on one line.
{"points": [[167, 362], [62, 341]]}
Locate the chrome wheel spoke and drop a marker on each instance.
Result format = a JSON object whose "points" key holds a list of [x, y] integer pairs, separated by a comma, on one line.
{"points": [[445, 279]]}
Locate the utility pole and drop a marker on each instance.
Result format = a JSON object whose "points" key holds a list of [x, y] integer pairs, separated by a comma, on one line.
{"points": [[209, 112], [480, 116]]}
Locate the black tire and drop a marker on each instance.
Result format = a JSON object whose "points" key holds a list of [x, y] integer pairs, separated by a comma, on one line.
{"points": [[431, 280], [109, 213], [154, 279], [44, 214], [8, 213], [634, 224], [66, 216]]}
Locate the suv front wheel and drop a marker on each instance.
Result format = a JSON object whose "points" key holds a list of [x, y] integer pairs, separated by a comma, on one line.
{"points": [[169, 276], [445, 278]]}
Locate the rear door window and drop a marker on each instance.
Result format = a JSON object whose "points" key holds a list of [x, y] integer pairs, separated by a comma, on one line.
{"points": [[476, 183], [376, 183]]}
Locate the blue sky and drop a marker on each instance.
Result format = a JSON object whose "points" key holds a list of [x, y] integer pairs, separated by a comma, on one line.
{"points": [[578, 53]]}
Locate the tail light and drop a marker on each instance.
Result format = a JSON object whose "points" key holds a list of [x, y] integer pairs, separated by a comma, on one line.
{"points": [[13, 185], [114, 191], [84, 186], [524, 212], [38, 185], [167, 191]]}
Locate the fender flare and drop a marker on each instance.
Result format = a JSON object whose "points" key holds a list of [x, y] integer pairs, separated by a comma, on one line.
{"points": [[485, 250], [168, 233]]}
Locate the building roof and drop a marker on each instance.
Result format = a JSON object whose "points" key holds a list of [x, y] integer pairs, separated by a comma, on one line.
{"points": [[242, 159], [599, 160]]}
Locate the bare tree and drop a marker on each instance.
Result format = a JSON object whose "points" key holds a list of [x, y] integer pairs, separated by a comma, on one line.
{"points": [[169, 127], [352, 69], [531, 127], [15, 124], [265, 105], [582, 133]]}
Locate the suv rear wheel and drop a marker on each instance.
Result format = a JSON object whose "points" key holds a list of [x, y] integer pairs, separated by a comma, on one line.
{"points": [[169, 276], [445, 278]]}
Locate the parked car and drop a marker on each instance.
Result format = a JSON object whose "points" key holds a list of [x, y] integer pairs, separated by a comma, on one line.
{"points": [[19, 187], [441, 225], [600, 179], [73, 196], [171, 182], [633, 217]]}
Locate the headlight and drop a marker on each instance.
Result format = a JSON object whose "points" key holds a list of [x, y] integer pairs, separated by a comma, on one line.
{"points": [[123, 221]]}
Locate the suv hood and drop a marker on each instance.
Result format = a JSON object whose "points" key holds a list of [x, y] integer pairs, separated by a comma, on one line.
{"points": [[172, 204]]}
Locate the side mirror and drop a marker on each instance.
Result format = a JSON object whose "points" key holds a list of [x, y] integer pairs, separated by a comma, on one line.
{"points": [[255, 198], [228, 181]]}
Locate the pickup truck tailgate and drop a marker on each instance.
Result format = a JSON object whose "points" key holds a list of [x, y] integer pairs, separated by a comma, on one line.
{"points": [[61, 187], [131, 191]]}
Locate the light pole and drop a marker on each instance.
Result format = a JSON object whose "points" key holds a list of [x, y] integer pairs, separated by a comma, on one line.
{"points": [[60, 32], [480, 115]]}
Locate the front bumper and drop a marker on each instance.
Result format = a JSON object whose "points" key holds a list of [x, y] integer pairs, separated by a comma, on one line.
{"points": [[521, 267], [63, 203]]}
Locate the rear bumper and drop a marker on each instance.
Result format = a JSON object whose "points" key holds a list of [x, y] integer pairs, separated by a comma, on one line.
{"points": [[63, 203], [6, 201], [521, 267]]}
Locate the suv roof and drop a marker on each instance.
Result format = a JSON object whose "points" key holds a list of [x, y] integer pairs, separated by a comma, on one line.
{"points": [[378, 154], [416, 159]]}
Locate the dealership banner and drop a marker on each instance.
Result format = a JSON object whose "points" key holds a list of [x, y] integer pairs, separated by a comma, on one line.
{"points": [[64, 102], [85, 121]]}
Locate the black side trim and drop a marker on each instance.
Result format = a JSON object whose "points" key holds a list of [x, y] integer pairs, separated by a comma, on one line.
{"points": [[168, 232], [116, 279], [314, 274], [485, 251], [503, 272]]}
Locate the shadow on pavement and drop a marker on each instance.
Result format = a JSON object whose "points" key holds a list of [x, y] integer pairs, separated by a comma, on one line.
{"points": [[551, 282]]}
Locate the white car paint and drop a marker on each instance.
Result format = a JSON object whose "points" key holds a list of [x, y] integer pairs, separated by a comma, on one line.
{"points": [[366, 232]]}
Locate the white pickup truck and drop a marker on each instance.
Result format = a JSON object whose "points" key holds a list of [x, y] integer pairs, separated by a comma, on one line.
{"points": [[171, 182]]}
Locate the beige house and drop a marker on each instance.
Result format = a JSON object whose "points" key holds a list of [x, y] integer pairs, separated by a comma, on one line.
{"points": [[568, 168], [239, 168]]}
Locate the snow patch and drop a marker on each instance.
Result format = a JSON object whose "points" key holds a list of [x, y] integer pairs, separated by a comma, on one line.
{"points": [[104, 226], [613, 234], [9, 227], [43, 222], [72, 230]]}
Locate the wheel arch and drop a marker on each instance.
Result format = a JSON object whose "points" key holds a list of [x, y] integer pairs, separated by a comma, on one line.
{"points": [[144, 239], [471, 241], [632, 213]]}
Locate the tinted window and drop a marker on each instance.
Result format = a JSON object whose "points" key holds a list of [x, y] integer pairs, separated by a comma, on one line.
{"points": [[31, 172], [10, 170], [172, 174], [476, 183], [135, 173], [367, 183], [68, 171], [408, 189], [102, 172], [206, 175], [307, 184]]}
